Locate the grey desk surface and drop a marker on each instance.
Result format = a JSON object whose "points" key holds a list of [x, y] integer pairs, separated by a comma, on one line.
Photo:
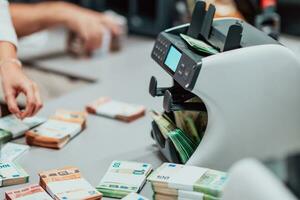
{"points": [[51, 56], [124, 78], [90, 69]]}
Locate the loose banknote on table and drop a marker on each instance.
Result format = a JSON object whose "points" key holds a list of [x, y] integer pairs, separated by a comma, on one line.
{"points": [[58, 130], [107, 107], [124, 177], [33, 192], [134, 196], [12, 174], [11, 127], [68, 184], [173, 181], [11, 151]]}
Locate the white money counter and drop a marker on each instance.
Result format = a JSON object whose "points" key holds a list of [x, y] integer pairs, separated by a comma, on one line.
{"points": [[105, 140]]}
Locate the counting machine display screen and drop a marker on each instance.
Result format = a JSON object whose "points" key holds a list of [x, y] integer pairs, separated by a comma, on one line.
{"points": [[173, 58]]}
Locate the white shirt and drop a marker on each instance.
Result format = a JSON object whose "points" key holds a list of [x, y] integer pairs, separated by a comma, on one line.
{"points": [[7, 31]]}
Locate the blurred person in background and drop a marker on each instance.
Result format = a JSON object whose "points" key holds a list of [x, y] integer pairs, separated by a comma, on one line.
{"points": [[88, 25], [14, 81]]}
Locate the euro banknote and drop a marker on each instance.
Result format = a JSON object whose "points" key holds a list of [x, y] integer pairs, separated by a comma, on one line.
{"points": [[11, 151], [68, 184], [105, 106], [124, 177], [58, 130], [134, 196], [189, 178], [32, 192], [12, 174]]}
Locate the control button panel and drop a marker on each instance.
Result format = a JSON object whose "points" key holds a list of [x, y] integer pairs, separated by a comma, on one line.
{"points": [[187, 72], [160, 49]]}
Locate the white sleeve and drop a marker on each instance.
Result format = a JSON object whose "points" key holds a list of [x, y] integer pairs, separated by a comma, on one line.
{"points": [[7, 31]]}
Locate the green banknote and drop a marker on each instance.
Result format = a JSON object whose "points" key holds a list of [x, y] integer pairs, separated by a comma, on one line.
{"points": [[199, 45], [123, 178], [184, 143]]}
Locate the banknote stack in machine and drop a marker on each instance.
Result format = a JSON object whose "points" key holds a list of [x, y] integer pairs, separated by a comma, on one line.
{"points": [[58, 130], [12, 174], [33, 192], [174, 181], [107, 107], [12, 127], [67, 183], [123, 178]]}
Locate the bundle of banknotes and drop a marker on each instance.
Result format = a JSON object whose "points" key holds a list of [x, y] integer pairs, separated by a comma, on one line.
{"points": [[123, 178], [183, 142], [67, 183], [173, 181], [12, 127], [134, 196], [12, 174], [58, 130], [107, 107], [32, 192], [199, 45]]}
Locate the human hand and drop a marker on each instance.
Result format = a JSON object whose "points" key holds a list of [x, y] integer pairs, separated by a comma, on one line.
{"points": [[90, 26], [15, 82]]}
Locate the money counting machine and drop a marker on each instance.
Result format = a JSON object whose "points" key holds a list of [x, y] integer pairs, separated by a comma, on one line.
{"points": [[250, 90]]}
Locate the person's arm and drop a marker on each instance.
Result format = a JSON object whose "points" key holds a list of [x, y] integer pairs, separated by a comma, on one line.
{"points": [[14, 81], [87, 24]]}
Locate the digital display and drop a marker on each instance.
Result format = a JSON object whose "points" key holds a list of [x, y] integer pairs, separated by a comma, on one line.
{"points": [[173, 58]]}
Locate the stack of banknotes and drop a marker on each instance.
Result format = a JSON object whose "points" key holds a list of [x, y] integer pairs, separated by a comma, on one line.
{"points": [[67, 183], [12, 127], [12, 174], [134, 196], [107, 107], [33, 192], [173, 181], [199, 45], [183, 142], [123, 178], [58, 130]]}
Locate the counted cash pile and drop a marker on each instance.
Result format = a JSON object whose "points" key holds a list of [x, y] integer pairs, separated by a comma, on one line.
{"points": [[183, 143], [12, 174], [11, 127], [134, 196], [123, 178], [199, 45], [57, 130], [33, 192], [174, 181], [67, 183], [107, 107]]}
